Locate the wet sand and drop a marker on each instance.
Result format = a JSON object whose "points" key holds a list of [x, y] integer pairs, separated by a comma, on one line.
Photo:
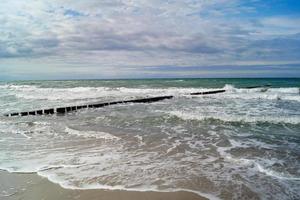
{"points": [[15, 186]]}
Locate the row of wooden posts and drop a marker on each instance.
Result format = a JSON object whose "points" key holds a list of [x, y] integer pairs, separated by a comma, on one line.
{"points": [[63, 110]]}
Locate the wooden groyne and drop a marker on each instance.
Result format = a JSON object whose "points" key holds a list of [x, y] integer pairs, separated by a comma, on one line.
{"points": [[257, 86], [63, 110], [208, 92], [221, 91]]}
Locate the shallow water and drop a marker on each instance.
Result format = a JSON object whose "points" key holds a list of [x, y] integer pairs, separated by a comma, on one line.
{"points": [[241, 144]]}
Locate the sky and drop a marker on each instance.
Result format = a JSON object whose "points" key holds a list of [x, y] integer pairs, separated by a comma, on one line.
{"points": [[100, 39]]}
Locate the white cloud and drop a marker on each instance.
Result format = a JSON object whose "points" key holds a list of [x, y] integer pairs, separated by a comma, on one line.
{"points": [[111, 34]]}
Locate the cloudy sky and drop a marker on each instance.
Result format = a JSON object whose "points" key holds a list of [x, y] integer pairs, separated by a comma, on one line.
{"points": [[64, 39]]}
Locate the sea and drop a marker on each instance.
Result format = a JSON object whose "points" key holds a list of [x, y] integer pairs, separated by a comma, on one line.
{"points": [[240, 144]]}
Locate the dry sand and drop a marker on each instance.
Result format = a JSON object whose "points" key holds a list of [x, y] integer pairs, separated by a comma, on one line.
{"points": [[15, 186]]}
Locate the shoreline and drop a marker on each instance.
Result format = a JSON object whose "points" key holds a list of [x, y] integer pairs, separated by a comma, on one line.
{"points": [[31, 186]]}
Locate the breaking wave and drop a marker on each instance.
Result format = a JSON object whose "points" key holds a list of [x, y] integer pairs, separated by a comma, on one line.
{"points": [[91, 134], [234, 118]]}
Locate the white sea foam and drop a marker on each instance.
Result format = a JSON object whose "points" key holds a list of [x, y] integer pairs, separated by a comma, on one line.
{"points": [[65, 184], [289, 94], [91, 134], [142, 159], [63, 93], [140, 140], [224, 152], [290, 90], [13, 130], [174, 146], [262, 96], [275, 174], [259, 167], [26, 169], [79, 93], [229, 87], [235, 118], [11, 86]]}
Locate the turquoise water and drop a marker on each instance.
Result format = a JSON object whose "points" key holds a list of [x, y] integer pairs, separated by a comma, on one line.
{"points": [[240, 144], [181, 83]]}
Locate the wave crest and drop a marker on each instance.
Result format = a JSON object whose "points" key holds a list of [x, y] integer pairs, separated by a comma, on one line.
{"points": [[235, 118]]}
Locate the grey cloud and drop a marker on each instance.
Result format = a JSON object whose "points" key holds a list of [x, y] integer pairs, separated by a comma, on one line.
{"points": [[140, 33], [112, 40], [45, 42], [11, 50], [28, 47], [278, 48]]}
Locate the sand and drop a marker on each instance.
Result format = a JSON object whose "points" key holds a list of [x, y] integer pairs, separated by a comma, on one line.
{"points": [[16, 186]]}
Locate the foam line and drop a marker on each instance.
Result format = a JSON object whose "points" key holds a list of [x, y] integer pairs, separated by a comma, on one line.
{"points": [[63, 110]]}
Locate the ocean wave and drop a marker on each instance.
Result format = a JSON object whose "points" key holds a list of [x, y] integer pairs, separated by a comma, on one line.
{"points": [[252, 164], [98, 92], [65, 184], [76, 93], [235, 118], [62, 93], [91, 134], [262, 96], [225, 153], [260, 168], [48, 171], [17, 87], [275, 174], [288, 94]]}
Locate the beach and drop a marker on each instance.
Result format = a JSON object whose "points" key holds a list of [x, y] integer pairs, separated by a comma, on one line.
{"points": [[32, 187], [150, 100], [243, 143]]}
